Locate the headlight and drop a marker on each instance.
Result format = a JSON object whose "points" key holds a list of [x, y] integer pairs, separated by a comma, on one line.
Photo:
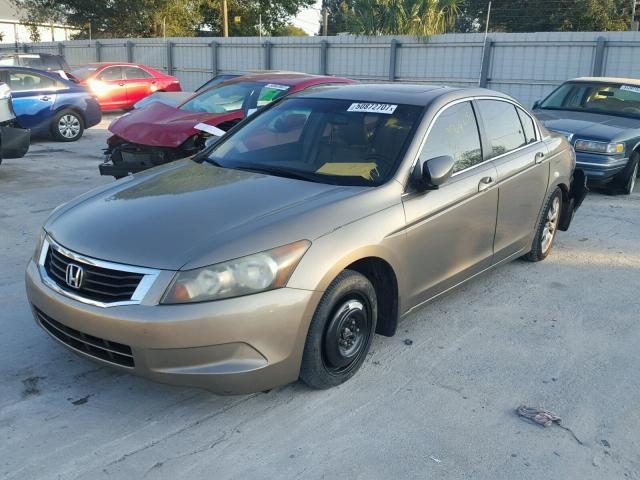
{"points": [[599, 147], [243, 276]]}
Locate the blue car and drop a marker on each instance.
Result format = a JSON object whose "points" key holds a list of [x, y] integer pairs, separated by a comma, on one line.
{"points": [[50, 105]]}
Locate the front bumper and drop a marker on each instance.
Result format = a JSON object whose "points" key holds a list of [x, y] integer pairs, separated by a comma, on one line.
{"points": [[14, 142], [233, 346], [129, 158], [600, 168]]}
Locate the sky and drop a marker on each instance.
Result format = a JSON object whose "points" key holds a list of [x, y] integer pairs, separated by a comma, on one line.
{"points": [[309, 18]]}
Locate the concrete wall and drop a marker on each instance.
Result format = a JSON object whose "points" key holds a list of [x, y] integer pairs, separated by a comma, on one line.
{"points": [[526, 66]]}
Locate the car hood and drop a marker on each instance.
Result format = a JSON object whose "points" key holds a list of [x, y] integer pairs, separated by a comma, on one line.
{"points": [[186, 214], [590, 125], [159, 125]]}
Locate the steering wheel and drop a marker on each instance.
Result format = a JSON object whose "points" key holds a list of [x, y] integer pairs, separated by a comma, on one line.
{"points": [[382, 162]]}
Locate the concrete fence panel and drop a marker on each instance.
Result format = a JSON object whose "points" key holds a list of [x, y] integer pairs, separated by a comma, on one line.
{"points": [[527, 66]]}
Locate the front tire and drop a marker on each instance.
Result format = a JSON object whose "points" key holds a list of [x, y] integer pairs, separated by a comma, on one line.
{"points": [[547, 228], [626, 181], [67, 126], [340, 332]]}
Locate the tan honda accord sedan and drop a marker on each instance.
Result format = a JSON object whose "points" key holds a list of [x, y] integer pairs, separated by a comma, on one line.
{"points": [[277, 253]]}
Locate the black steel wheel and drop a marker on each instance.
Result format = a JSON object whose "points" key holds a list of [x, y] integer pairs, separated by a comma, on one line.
{"points": [[341, 331]]}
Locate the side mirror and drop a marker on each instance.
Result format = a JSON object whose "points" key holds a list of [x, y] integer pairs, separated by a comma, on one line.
{"points": [[536, 104], [430, 174]]}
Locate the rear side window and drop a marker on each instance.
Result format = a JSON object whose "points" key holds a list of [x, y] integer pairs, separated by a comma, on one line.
{"points": [[455, 133], [503, 127], [111, 73], [131, 73], [21, 82], [527, 124]]}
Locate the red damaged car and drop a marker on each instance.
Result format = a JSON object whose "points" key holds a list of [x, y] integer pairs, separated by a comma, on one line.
{"points": [[120, 85], [159, 133]]}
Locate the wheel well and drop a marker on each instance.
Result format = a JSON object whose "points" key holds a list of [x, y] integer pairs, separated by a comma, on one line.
{"points": [[384, 281]]}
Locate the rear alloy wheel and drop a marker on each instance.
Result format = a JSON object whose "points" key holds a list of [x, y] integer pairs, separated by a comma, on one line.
{"points": [[67, 126], [341, 331], [547, 228]]}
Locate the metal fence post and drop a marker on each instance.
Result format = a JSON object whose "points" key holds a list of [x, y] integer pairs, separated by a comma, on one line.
{"points": [[267, 55], [61, 49], [598, 60], [25, 48], [170, 58], [324, 46], [214, 58], [129, 45], [393, 52], [98, 51], [486, 63]]}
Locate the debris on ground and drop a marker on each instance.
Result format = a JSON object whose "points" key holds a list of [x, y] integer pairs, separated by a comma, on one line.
{"points": [[408, 341], [545, 418]]}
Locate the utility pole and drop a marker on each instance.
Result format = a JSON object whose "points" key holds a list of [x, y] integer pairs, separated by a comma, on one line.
{"points": [[225, 19], [325, 21], [634, 24]]}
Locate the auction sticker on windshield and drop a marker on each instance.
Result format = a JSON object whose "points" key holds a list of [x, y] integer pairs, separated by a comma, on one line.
{"points": [[630, 88], [373, 108], [276, 86]]}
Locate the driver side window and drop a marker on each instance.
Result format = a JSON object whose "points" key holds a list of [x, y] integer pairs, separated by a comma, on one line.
{"points": [[455, 133]]}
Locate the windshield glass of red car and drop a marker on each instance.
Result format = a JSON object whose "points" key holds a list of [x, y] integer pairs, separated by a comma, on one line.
{"points": [[232, 97], [605, 98], [328, 141], [83, 73]]}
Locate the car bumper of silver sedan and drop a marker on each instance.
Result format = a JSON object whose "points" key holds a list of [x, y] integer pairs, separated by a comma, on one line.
{"points": [[233, 346]]}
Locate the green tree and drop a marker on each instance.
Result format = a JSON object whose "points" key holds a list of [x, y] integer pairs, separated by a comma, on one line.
{"points": [[275, 15], [289, 31], [394, 17], [547, 15], [148, 18]]}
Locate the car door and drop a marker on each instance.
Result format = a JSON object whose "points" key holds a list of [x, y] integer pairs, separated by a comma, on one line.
{"points": [[33, 97], [450, 230], [523, 173], [139, 84], [112, 89]]}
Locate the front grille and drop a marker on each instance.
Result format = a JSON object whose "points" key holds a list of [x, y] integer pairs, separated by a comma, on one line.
{"points": [[100, 284], [93, 346]]}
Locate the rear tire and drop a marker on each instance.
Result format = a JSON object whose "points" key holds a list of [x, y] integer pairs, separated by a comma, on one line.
{"points": [[340, 332], [547, 228], [67, 126]]}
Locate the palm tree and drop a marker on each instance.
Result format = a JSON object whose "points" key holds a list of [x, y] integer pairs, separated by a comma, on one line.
{"points": [[404, 17]]}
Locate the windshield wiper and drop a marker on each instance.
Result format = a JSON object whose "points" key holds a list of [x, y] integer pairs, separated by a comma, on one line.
{"points": [[280, 172]]}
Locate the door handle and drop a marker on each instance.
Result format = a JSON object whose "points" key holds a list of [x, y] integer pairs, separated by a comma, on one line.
{"points": [[485, 183], [539, 157], [121, 84], [45, 98]]}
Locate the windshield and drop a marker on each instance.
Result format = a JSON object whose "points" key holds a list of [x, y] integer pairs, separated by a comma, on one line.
{"points": [[607, 98], [327, 141], [84, 72], [232, 97]]}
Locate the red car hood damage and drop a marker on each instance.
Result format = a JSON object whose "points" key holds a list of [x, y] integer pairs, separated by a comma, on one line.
{"points": [[159, 125]]}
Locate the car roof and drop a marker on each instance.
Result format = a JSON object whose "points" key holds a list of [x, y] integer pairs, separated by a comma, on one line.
{"points": [[628, 81], [406, 94], [286, 78], [109, 64]]}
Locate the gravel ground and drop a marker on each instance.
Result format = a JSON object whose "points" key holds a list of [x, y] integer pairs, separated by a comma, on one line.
{"points": [[562, 334]]}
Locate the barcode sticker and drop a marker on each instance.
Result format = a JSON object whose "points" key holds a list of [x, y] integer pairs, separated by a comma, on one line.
{"points": [[276, 86], [373, 108], [629, 88]]}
